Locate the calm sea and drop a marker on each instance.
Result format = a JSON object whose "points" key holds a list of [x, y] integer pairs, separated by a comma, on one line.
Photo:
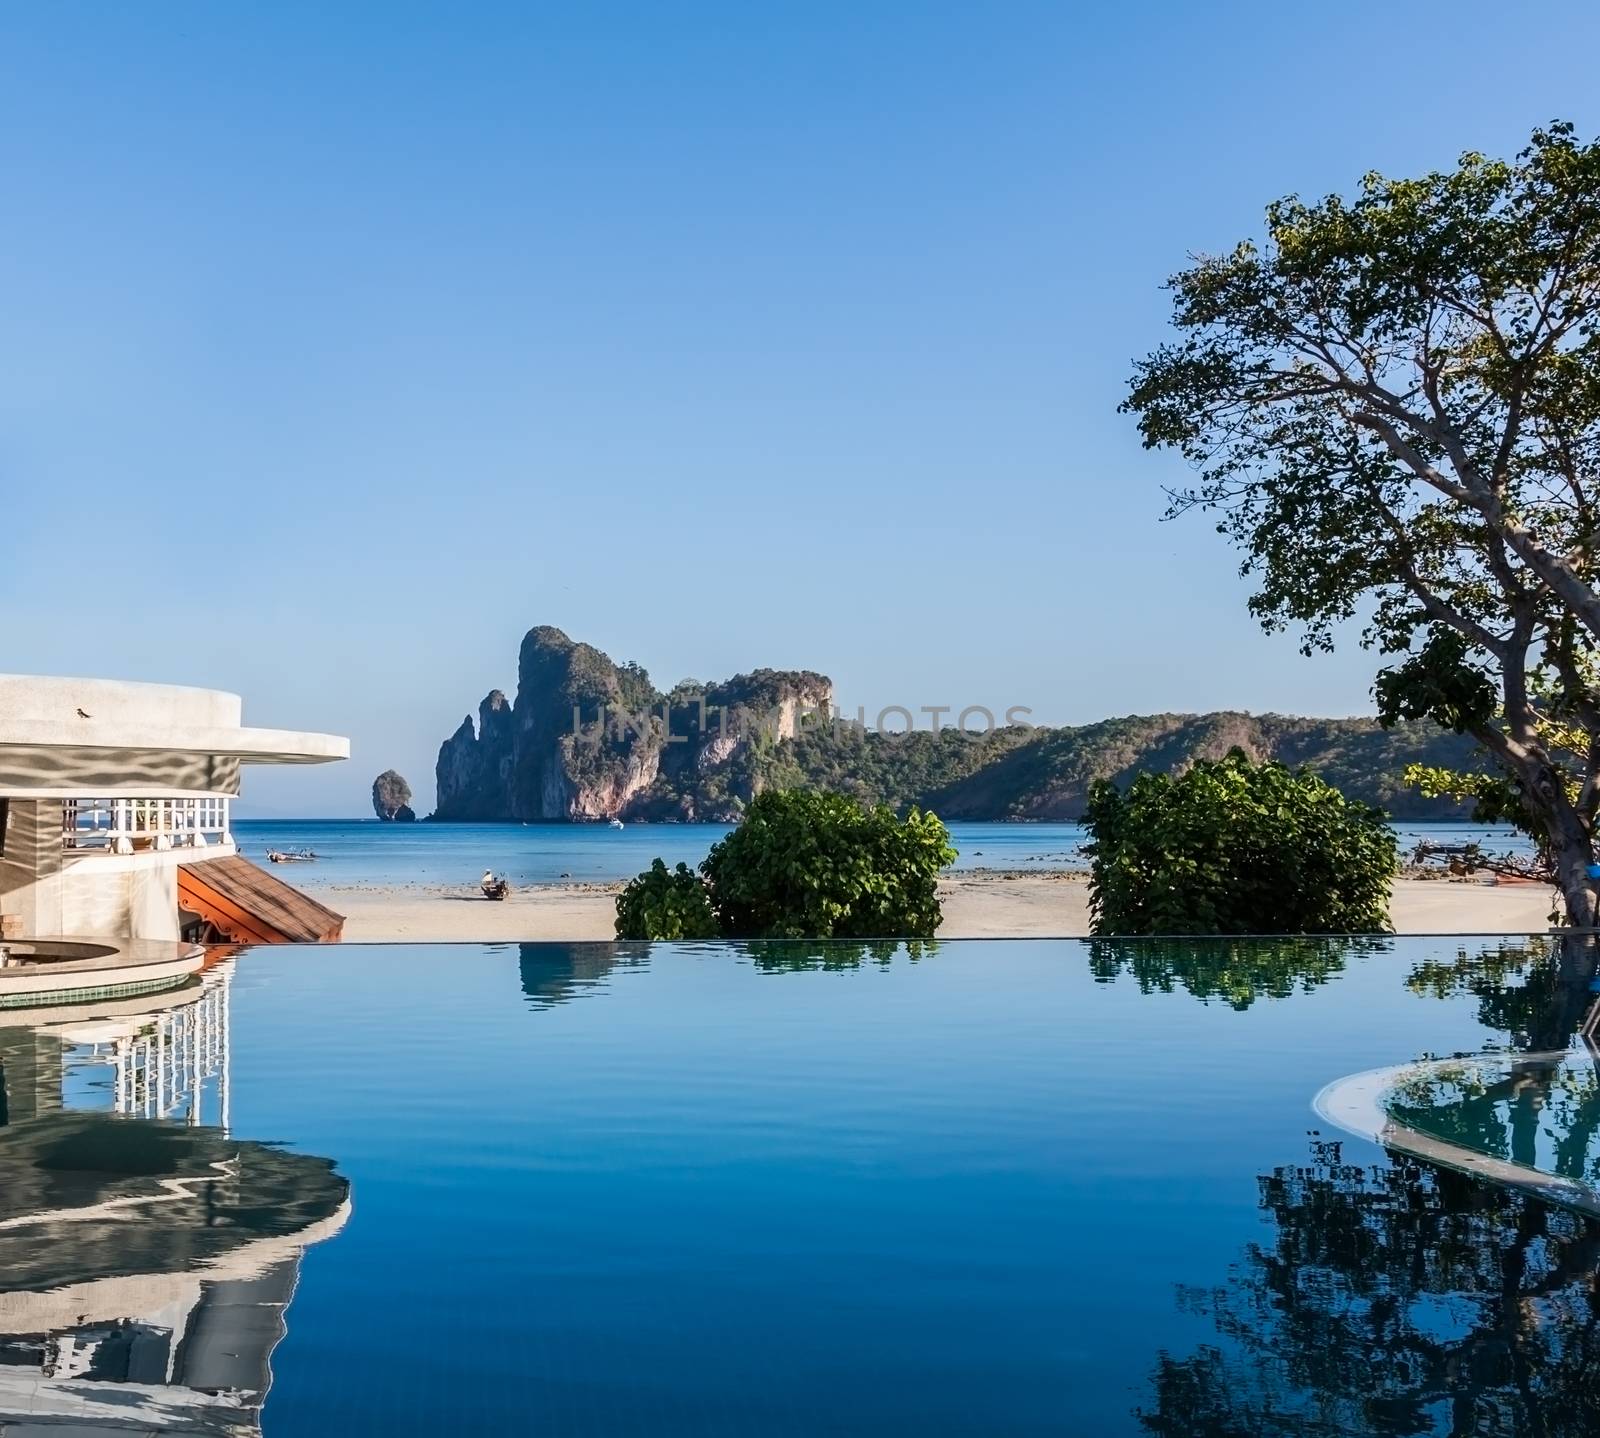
{"points": [[365, 851]]}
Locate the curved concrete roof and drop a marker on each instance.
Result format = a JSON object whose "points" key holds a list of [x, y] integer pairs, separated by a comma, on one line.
{"points": [[47, 712]]}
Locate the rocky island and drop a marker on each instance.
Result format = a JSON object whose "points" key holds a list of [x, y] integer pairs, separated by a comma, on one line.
{"points": [[589, 739], [391, 798]]}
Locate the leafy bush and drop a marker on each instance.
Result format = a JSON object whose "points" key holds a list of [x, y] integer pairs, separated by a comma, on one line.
{"points": [[801, 865], [663, 904], [806, 865], [1233, 847]]}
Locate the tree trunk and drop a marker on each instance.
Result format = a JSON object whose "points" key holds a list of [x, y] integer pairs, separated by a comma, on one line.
{"points": [[1577, 889], [1568, 839], [1572, 852], [1561, 1014]]}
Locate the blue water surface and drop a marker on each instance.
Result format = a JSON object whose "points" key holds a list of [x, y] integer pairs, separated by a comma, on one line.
{"points": [[352, 851], [978, 1188], [708, 1190]]}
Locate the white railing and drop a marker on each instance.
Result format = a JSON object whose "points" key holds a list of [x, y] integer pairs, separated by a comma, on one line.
{"points": [[175, 1063], [126, 826]]}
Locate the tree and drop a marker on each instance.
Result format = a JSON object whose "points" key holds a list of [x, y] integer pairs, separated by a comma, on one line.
{"points": [[1496, 798], [1393, 406], [1233, 847], [665, 905]]}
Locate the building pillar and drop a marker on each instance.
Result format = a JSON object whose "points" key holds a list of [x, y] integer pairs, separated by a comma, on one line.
{"points": [[31, 864], [30, 1075]]}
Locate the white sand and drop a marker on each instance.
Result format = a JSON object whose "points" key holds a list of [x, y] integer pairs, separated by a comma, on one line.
{"points": [[976, 906]]}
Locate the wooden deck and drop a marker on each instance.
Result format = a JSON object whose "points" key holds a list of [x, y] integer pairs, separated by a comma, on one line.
{"points": [[248, 905]]}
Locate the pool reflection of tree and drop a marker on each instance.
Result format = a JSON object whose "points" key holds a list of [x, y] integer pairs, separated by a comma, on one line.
{"points": [[804, 955], [1534, 990], [1537, 992], [1401, 1298], [558, 973], [1235, 971], [1396, 1299], [1540, 1112]]}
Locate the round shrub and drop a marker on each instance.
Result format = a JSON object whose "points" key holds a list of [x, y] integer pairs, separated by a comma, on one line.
{"points": [[665, 904], [812, 865], [1233, 847]]}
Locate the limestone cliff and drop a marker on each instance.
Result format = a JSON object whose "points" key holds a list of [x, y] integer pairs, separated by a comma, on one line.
{"points": [[391, 798], [588, 739], [474, 766]]}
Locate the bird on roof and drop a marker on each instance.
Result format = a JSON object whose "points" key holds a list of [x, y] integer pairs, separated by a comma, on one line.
{"points": [[82, 715]]}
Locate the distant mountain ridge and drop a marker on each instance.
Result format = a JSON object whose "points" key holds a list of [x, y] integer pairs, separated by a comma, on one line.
{"points": [[1046, 773], [701, 751]]}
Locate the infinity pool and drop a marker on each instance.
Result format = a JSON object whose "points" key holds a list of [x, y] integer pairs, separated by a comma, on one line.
{"points": [[992, 1188]]}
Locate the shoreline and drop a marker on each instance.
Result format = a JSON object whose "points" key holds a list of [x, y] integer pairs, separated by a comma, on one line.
{"points": [[978, 904]]}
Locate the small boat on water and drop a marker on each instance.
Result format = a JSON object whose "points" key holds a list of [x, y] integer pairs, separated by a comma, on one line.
{"points": [[290, 856], [616, 823]]}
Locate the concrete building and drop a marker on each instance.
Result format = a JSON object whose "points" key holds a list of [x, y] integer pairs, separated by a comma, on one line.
{"points": [[115, 810]]}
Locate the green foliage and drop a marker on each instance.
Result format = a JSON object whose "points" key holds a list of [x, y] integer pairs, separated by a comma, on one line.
{"points": [[1494, 798], [819, 866], [1233, 847], [1440, 683], [801, 865], [902, 770], [1392, 406], [663, 904], [1498, 794], [1047, 773]]}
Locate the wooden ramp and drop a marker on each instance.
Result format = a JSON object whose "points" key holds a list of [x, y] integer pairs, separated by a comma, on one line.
{"points": [[247, 905]]}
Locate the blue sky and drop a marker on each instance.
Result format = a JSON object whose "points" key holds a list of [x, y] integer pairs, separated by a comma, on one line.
{"points": [[340, 345]]}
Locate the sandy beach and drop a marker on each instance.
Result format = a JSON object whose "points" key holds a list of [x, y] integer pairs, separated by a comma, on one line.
{"points": [[976, 906]]}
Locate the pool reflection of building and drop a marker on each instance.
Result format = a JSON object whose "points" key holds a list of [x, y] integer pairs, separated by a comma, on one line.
{"points": [[158, 1064], [147, 1258]]}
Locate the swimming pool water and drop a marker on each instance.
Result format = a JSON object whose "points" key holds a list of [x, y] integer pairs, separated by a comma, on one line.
{"points": [[1036, 1187]]}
